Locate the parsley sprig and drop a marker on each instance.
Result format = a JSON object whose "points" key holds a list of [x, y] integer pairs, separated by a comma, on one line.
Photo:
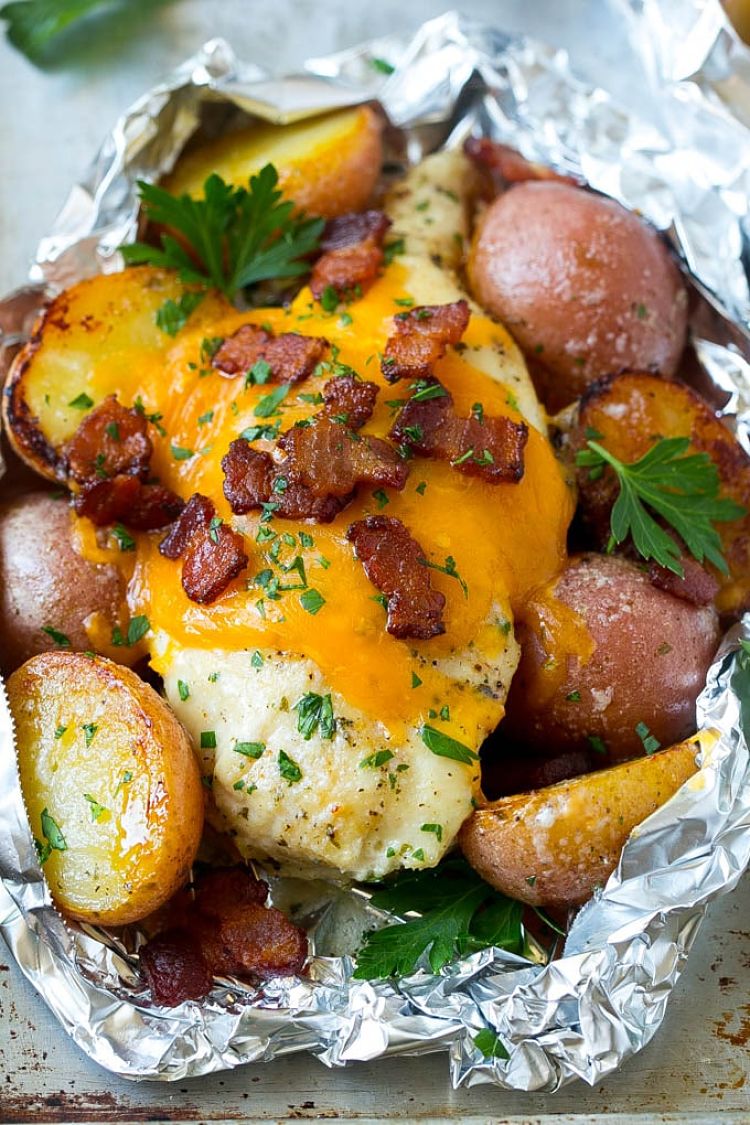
{"points": [[681, 487], [230, 239], [459, 913]]}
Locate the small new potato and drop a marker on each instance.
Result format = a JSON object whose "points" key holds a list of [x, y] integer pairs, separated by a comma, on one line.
{"points": [[585, 286], [111, 785], [46, 584], [554, 846], [603, 651], [328, 165]]}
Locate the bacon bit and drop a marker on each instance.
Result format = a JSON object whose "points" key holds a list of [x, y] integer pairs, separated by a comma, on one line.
{"points": [[324, 463], [353, 253], [197, 514], [215, 556], [393, 562], [489, 448], [331, 460], [420, 339], [698, 586], [353, 227], [349, 399], [347, 270], [290, 356], [106, 501], [175, 968], [110, 441], [503, 165], [225, 931], [155, 507]]}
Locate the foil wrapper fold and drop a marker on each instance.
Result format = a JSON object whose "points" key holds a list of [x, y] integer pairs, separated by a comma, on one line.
{"points": [[604, 997]]}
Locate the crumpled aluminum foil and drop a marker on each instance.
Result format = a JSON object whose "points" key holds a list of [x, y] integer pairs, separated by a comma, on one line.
{"points": [[583, 1014]]}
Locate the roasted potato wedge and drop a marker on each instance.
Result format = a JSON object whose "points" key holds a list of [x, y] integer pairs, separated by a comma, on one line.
{"points": [[633, 411], [554, 846], [328, 165], [112, 787], [48, 589], [99, 337]]}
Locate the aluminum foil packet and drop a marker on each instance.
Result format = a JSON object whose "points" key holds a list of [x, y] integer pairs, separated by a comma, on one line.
{"points": [[603, 998]]}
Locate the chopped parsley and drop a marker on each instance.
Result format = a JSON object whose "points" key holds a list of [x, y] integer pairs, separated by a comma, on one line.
{"points": [[60, 639], [650, 743], [446, 747], [183, 690], [89, 731], [271, 403], [174, 315], [124, 539], [288, 768], [437, 829], [312, 601], [381, 497], [208, 740], [82, 402], [96, 810], [250, 749], [449, 568], [315, 712], [374, 761], [181, 453]]}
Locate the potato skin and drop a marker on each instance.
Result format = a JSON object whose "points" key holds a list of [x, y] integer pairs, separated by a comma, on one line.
{"points": [[586, 287], [104, 755], [630, 412], [554, 846], [602, 651], [44, 582]]}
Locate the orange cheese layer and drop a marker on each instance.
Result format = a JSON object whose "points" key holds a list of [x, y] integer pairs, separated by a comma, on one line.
{"points": [[505, 539]]}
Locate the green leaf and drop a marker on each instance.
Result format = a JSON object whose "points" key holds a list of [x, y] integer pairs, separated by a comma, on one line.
{"points": [[236, 236], [250, 749], [270, 403], [52, 833], [374, 761], [124, 539], [174, 315], [137, 629], [288, 768], [680, 487], [89, 731], [33, 25], [489, 1044], [312, 601], [451, 900], [82, 402], [183, 689], [315, 712], [96, 810], [62, 640], [446, 747]]}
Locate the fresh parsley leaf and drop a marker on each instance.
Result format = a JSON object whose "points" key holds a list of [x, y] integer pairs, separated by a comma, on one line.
{"points": [[449, 568], [181, 453], [270, 403], [174, 315], [288, 768], [374, 761], [208, 740], [382, 66], [680, 487], [250, 749], [459, 913], [60, 639], [96, 810], [89, 731], [125, 540], [137, 629], [650, 743], [446, 747], [315, 712], [34, 25], [52, 834], [231, 238], [183, 690], [312, 600], [82, 402]]}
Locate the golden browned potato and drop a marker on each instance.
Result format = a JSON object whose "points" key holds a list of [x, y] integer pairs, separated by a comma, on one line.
{"points": [[49, 594], [631, 412], [328, 165], [586, 287], [112, 787], [554, 846], [608, 660]]}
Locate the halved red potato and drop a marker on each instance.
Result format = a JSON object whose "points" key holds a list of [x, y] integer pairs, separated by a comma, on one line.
{"points": [[111, 785], [631, 412], [555, 846]]}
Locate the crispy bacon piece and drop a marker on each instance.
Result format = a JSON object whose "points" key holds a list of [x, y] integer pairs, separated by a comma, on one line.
{"points": [[197, 514], [698, 586], [225, 931], [353, 253], [350, 400], [110, 441], [290, 356], [420, 338], [332, 460], [175, 968], [324, 463], [215, 556], [249, 476], [394, 563], [490, 448], [155, 507], [353, 227], [142, 507], [503, 165]]}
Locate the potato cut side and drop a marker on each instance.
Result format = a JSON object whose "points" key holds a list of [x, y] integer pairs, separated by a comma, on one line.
{"points": [[554, 846], [112, 787], [97, 338], [630, 412], [328, 165]]}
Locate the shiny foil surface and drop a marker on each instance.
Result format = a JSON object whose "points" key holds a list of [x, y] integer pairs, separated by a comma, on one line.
{"points": [[604, 996]]}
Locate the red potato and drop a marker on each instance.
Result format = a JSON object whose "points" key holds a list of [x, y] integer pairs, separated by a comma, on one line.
{"points": [[586, 287], [45, 584], [604, 651]]}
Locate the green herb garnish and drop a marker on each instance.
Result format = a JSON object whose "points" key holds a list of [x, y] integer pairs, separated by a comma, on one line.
{"points": [[315, 712], [446, 747]]}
